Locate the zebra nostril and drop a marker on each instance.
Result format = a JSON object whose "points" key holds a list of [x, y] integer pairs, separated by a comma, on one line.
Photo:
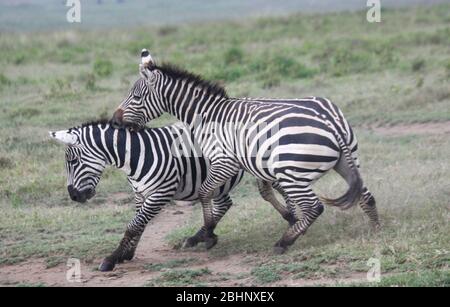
{"points": [[72, 193]]}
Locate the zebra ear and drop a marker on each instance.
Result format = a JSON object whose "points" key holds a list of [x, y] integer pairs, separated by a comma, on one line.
{"points": [[63, 136], [146, 64], [146, 58]]}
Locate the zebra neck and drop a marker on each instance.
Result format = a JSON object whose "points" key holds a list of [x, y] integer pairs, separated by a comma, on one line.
{"points": [[186, 101], [117, 148]]}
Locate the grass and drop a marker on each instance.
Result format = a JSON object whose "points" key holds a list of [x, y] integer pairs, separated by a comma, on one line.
{"points": [[419, 279], [180, 277], [412, 198], [84, 232], [377, 73], [170, 264]]}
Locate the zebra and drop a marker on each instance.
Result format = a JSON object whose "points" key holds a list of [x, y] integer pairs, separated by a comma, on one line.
{"points": [[162, 164], [292, 143]]}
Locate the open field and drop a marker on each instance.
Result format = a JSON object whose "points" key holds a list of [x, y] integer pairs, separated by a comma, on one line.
{"points": [[392, 81]]}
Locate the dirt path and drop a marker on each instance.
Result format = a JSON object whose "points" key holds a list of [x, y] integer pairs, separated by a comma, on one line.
{"points": [[233, 270], [413, 129], [151, 250]]}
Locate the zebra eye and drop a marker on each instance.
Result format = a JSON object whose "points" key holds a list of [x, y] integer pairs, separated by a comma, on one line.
{"points": [[72, 160], [135, 97]]}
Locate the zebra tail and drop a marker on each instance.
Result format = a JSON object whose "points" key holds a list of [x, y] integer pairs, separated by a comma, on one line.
{"points": [[352, 176]]}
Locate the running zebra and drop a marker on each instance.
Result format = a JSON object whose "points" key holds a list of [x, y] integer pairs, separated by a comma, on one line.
{"points": [[162, 164], [292, 143]]}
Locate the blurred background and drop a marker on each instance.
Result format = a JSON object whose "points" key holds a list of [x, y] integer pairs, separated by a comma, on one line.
{"points": [[391, 79], [29, 15]]}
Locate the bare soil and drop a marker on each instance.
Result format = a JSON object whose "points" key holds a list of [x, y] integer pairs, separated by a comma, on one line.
{"points": [[232, 270], [413, 129]]}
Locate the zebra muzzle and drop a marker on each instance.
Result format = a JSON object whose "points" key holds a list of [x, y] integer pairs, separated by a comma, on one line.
{"points": [[117, 118], [80, 196]]}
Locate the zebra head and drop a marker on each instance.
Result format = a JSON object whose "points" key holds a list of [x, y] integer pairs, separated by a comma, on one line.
{"points": [[83, 166], [133, 110], [141, 104]]}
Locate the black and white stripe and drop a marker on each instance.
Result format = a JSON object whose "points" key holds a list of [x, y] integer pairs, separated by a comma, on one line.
{"points": [[162, 164], [290, 142]]}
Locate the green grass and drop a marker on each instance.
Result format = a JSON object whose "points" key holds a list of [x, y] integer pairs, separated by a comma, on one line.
{"points": [[180, 277], [176, 263], [397, 71], [82, 231], [413, 279]]}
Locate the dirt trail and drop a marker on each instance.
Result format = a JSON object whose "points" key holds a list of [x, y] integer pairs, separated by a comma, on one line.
{"points": [[151, 250], [413, 129], [233, 270]]}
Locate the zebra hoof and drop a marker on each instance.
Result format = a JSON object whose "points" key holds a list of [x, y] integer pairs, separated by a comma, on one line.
{"points": [[279, 250], [106, 266], [376, 227], [280, 247], [128, 255], [211, 242], [189, 242]]}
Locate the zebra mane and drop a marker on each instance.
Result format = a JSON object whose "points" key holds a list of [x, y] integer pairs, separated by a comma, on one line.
{"points": [[101, 121], [180, 74]]}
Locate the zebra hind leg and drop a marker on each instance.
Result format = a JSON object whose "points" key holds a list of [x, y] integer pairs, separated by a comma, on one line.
{"points": [[266, 190], [368, 205], [311, 208], [220, 207], [202, 235], [222, 169]]}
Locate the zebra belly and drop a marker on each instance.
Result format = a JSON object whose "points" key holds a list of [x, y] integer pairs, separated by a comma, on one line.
{"points": [[195, 172], [304, 152]]}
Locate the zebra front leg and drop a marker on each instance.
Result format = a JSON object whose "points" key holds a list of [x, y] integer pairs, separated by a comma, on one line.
{"points": [[368, 205], [220, 207], [139, 200], [310, 208], [135, 228], [266, 190]]}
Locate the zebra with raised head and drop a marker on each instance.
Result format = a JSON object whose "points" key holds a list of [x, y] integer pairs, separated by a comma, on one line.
{"points": [[162, 164], [292, 143]]}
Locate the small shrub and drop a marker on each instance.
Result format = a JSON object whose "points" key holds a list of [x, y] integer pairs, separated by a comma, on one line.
{"points": [[180, 277], [6, 163], [4, 80], [103, 68], [228, 73], [273, 69], [418, 64], [233, 55], [167, 30], [90, 80], [447, 68], [26, 112], [288, 67], [271, 81], [266, 273], [60, 86], [19, 58], [420, 82], [345, 62]]}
